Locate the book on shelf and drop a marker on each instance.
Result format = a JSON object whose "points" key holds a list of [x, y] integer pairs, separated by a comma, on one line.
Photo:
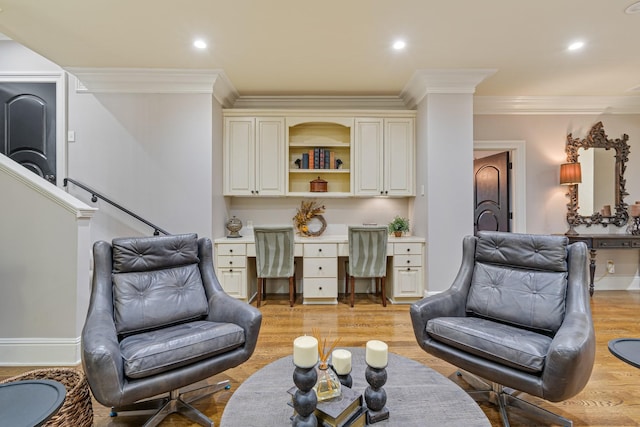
{"points": [[332, 160], [316, 158], [347, 410], [305, 161], [311, 158]]}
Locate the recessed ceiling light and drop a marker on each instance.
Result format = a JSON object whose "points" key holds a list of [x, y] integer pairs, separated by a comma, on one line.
{"points": [[632, 9], [399, 45], [576, 45], [200, 44]]}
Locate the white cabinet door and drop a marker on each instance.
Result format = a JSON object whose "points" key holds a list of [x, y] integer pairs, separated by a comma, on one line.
{"points": [[369, 161], [254, 156], [233, 281], [407, 282], [399, 157], [385, 157], [270, 156]]}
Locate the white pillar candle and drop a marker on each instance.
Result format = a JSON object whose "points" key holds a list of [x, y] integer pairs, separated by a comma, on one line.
{"points": [[341, 361], [376, 354], [305, 351]]}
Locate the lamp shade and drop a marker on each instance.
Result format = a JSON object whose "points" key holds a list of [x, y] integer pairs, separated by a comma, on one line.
{"points": [[570, 173]]}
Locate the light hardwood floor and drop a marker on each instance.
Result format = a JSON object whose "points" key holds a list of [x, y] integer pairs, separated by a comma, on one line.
{"points": [[612, 397]]}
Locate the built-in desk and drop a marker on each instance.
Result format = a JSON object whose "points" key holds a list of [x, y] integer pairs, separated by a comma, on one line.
{"points": [[604, 241], [321, 270]]}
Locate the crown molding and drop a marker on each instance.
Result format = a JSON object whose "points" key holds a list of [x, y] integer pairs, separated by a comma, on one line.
{"points": [[556, 104], [146, 80], [320, 102], [429, 81]]}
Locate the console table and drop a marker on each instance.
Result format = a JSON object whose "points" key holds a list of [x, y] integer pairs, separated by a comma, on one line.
{"points": [[235, 267], [604, 241]]}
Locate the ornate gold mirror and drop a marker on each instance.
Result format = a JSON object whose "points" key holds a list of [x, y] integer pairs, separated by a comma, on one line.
{"points": [[597, 168]]}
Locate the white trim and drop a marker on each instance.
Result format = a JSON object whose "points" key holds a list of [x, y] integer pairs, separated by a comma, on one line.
{"points": [[40, 351], [60, 79], [556, 104], [144, 80], [519, 174]]}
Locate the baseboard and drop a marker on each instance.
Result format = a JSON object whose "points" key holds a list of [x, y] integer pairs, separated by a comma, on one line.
{"points": [[39, 351], [617, 283]]}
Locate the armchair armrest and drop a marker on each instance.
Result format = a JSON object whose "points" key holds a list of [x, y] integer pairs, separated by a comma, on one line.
{"points": [[570, 358], [450, 303]]}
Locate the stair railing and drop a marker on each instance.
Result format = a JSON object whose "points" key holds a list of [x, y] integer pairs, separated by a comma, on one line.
{"points": [[95, 196]]}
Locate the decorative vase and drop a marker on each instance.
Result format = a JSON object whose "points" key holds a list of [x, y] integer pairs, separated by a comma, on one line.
{"points": [[328, 385], [234, 225]]}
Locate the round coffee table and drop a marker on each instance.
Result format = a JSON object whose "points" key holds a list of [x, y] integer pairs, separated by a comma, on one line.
{"points": [[416, 396], [31, 402], [627, 350]]}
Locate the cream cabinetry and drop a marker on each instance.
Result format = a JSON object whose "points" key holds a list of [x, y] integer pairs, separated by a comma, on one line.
{"points": [[273, 152], [407, 275], [320, 269], [231, 268], [254, 156], [384, 160]]}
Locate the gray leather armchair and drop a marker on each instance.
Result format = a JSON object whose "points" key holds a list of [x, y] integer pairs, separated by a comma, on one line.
{"points": [[516, 319], [158, 320]]}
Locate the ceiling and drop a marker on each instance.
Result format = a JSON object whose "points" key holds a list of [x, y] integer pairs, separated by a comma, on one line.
{"points": [[343, 47]]}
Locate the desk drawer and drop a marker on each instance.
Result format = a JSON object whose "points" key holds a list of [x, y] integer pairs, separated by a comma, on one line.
{"points": [[320, 267], [231, 249], [614, 243], [407, 261], [320, 288], [320, 250], [407, 248], [231, 261]]}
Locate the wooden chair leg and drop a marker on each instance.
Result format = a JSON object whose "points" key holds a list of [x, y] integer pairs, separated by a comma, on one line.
{"points": [[383, 295], [353, 289], [259, 297], [291, 291]]}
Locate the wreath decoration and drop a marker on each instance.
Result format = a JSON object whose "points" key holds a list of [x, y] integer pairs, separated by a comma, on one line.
{"points": [[309, 211]]}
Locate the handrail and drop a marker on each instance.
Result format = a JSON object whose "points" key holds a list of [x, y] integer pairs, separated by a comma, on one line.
{"points": [[95, 196]]}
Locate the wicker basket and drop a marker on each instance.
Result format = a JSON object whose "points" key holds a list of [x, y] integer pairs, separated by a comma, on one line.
{"points": [[76, 411]]}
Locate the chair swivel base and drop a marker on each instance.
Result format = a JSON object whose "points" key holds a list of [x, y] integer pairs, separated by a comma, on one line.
{"points": [[176, 402], [504, 397]]}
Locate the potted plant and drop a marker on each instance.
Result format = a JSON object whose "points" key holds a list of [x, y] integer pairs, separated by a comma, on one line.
{"points": [[398, 226]]}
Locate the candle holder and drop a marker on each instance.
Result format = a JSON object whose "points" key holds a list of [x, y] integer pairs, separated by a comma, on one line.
{"points": [[345, 379], [375, 396], [634, 226], [304, 399]]}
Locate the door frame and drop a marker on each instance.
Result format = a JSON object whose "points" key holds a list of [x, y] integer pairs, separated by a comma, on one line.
{"points": [[60, 79], [518, 178]]}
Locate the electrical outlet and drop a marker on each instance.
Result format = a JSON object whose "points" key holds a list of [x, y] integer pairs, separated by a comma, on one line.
{"points": [[611, 268]]}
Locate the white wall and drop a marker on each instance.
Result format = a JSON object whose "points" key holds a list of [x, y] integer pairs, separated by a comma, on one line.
{"points": [[545, 137], [44, 265], [151, 153]]}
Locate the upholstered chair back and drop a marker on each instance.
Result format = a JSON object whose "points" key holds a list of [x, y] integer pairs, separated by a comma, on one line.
{"points": [[367, 251], [520, 279], [156, 282], [274, 251]]}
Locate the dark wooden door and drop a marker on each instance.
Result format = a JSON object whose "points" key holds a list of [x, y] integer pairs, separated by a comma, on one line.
{"points": [[491, 193], [28, 126]]}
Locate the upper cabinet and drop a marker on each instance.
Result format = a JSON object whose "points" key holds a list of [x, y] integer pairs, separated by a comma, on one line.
{"points": [[384, 156], [254, 155], [280, 153]]}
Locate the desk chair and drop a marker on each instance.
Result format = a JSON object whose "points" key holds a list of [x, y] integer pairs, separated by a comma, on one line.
{"points": [[274, 258], [516, 319], [159, 321], [367, 258]]}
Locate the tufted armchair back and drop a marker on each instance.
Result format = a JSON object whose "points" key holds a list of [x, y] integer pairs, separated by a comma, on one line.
{"points": [[520, 279], [156, 282]]}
